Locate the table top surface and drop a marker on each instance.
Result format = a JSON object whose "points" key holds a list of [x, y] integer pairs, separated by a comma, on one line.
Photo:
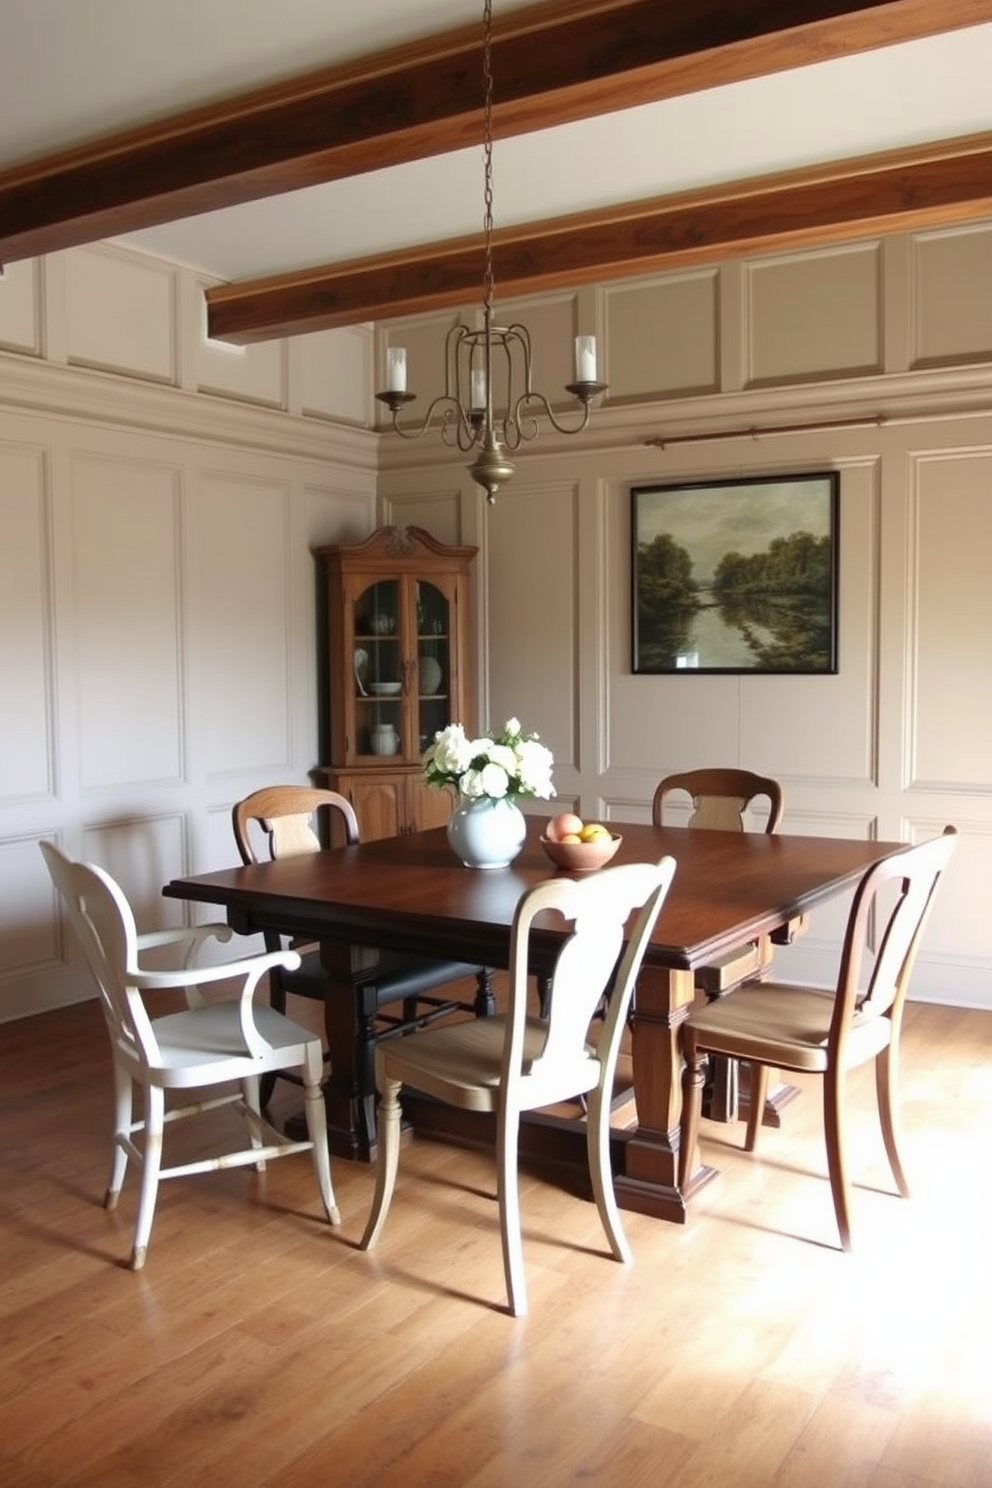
{"points": [[410, 891]]}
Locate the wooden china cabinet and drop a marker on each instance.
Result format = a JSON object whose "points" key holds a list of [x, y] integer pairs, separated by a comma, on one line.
{"points": [[397, 614]]}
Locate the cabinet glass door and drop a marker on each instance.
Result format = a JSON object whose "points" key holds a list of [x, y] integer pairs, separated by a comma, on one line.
{"points": [[379, 632], [433, 662]]}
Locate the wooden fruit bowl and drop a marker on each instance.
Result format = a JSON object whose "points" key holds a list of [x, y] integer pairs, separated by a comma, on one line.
{"points": [[582, 857]]}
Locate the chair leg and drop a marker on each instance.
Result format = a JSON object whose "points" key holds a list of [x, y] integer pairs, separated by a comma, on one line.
{"points": [[387, 1161], [508, 1193], [277, 1001], [693, 1079], [758, 1094], [887, 1091], [313, 1106], [151, 1165], [123, 1093], [250, 1096], [833, 1103], [601, 1173]]}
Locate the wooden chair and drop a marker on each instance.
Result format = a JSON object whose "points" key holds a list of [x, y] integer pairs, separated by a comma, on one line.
{"points": [[287, 816], [513, 1063], [720, 798], [203, 1046], [830, 1032]]}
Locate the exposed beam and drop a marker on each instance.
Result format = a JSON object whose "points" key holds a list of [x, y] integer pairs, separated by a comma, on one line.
{"points": [[555, 63], [888, 192]]}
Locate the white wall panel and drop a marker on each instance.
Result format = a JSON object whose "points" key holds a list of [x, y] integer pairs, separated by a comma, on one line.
{"points": [[126, 619], [242, 538], [26, 756], [20, 313], [531, 616], [29, 927], [669, 330], [952, 643], [438, 512], [813, 315], [831, 722], [121, 312], [951, 277], [336, 373], [141, 853]]}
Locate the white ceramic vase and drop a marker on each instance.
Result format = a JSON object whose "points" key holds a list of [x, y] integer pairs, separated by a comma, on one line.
{"points": [[485, 833]]}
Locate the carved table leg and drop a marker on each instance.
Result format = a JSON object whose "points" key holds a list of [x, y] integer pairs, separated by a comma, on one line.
{"points": [[348, 1118], [650, 1182]]}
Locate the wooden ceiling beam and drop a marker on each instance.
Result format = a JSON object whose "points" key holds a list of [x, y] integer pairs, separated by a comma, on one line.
{"points": [[555, 63], [886, 192]]}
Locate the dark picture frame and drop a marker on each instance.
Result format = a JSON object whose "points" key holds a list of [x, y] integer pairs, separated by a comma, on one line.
{"points": [[736, 575]]}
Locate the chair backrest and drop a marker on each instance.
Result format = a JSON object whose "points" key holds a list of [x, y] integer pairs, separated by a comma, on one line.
{"points": [[286, 813], [102, 920], [890, 909], [598, 908], [720, 797]]}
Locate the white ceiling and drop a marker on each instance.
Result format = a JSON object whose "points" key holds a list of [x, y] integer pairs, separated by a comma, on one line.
{"points": [[73, 69]]}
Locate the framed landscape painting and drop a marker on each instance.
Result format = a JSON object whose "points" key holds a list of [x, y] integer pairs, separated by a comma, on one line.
{"points": [[736, 575]]}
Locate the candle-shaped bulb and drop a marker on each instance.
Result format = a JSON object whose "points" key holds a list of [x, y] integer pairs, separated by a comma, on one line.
{"points": [[395, 369], [478, 388], [585, 358]]}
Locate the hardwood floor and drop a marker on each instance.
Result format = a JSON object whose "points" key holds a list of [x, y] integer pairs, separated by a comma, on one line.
{"points": [[261, 1348]]}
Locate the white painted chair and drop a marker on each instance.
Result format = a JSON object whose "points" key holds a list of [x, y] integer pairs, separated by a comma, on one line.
{"points": [[513, 1063], [206, 1045]]}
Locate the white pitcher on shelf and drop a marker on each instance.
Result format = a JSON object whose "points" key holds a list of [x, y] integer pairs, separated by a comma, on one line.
{"points": [[385, 739]]}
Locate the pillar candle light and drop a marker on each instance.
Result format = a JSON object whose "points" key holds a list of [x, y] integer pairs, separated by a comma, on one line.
{"points": [[478, 391], [585, 358], [396, 369]]}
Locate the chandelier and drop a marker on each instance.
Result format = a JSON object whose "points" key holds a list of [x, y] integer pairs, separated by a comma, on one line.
{"points": [[489, 404]]}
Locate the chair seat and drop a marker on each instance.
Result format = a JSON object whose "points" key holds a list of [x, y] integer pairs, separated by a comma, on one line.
{"points": [[462, 1064], [783, 1025], [190, 1043]]}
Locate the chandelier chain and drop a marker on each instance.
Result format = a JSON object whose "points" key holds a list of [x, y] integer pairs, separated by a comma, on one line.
{"points": [[489, 403], [487, 150]]}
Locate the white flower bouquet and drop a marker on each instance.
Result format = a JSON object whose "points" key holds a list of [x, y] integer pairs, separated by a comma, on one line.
{"points": [[495, 767]]}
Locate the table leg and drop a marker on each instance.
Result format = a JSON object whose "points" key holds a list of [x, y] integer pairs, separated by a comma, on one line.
{"points": [[649, 1181], [350, 1118]]}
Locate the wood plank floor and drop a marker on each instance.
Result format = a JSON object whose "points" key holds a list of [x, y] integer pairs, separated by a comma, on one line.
{"points": [[259, 1348]]}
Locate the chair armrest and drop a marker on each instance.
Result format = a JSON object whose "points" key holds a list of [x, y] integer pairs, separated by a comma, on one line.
{"points": [[199, 976], [192, 936], [252, 968]]}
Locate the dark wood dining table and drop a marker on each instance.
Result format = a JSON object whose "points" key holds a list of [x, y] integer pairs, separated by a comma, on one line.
{"points": [[410, 892]]}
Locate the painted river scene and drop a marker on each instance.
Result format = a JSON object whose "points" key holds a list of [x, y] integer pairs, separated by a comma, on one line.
{"points": [[736, 576]]}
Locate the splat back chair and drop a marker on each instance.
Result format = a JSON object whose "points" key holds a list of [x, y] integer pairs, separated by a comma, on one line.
{"points": [[204, 1046], [512, 1063], [719, 798], [719, 801], [829, 1032], [287, 817]]}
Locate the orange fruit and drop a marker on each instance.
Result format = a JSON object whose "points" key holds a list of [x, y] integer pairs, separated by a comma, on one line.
{"points": [[569, 837]]}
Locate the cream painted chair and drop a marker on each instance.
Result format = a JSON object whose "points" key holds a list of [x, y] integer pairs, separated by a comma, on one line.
{"points": [[829, 1032], [207, 1044], [513, 1063], [287, 815]]}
